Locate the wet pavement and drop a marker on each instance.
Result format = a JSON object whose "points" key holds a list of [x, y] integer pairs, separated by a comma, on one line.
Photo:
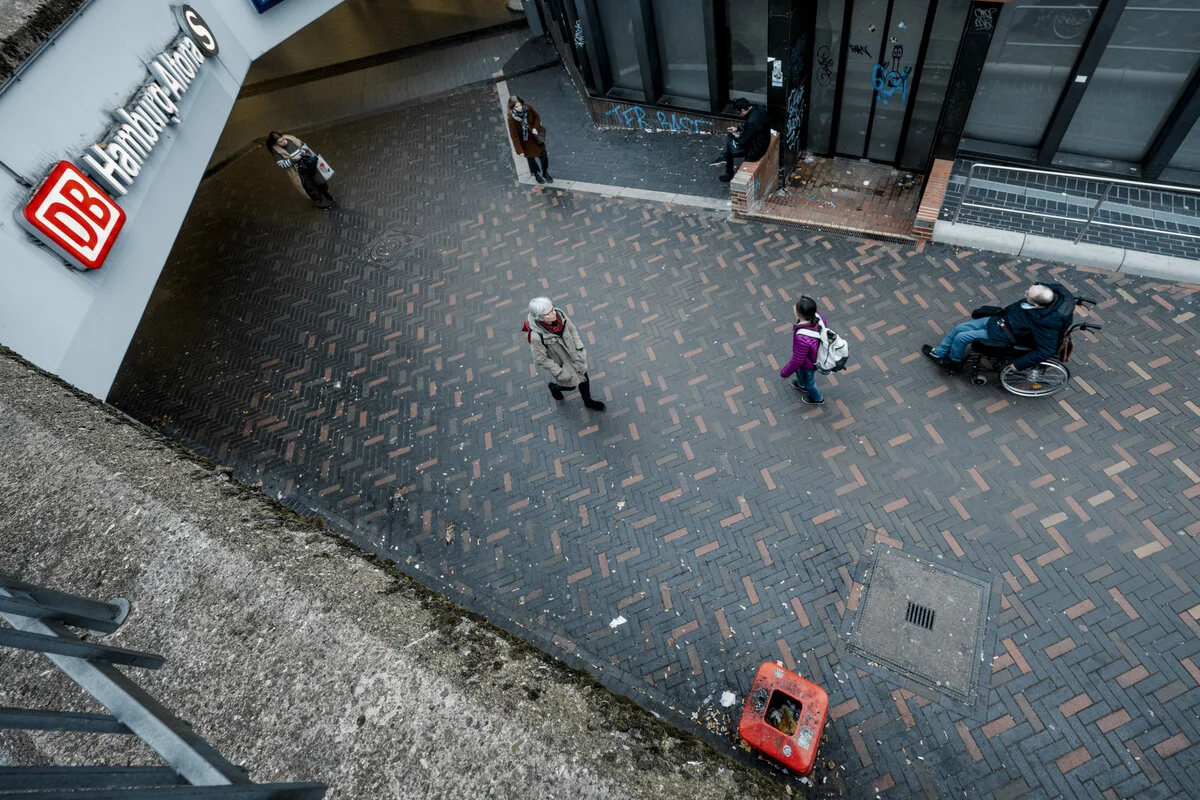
{"points": [[366, 364]]}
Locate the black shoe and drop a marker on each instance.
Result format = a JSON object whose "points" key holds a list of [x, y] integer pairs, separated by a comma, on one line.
{"points": [[555, 392], [953, 367], [799, 388], [594, 405], [726, 178], [538, 177], [807, 399], [549, 178]]}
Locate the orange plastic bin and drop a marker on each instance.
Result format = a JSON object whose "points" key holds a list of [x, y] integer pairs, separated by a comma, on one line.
{"points": [[784, 716]]}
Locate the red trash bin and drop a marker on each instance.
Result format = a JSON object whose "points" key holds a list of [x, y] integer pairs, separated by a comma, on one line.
{"points": [[784, 716]]}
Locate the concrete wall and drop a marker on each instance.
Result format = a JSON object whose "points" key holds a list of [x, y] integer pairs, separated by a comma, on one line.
{"points": [[79, 325]]}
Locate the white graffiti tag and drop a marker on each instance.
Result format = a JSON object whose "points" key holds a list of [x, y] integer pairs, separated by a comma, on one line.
{"points": [[795, 117]]}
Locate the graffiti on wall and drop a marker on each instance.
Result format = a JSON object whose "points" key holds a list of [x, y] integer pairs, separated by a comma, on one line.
{"points": [[795, 116], [579, 41], [888, 80], [824, 66], [631, 116], [984, 20], [861, 50]]}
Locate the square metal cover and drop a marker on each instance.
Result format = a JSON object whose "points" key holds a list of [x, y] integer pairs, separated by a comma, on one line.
{"points": [[922, 620]]}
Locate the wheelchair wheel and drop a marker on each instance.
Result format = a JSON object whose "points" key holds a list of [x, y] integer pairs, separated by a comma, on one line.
{"points": [[1041, 380]]}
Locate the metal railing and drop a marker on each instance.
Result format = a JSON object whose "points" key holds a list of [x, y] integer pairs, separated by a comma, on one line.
{"points": [[39, 618], [1103, 197]]}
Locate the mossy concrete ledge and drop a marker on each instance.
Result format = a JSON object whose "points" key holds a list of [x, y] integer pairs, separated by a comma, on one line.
{"points": [[288, 650]]}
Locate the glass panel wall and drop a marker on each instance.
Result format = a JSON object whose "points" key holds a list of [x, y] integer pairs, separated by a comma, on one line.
{"points": [[894, 78], [935, 79], [616, 24], [1152, 54], [1188, 154], [826, 54], [1029, 62], [679, 28], [746, 21]]}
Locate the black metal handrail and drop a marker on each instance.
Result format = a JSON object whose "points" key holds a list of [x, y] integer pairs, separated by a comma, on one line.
{"points": [[194, 769], [1108, 183]]}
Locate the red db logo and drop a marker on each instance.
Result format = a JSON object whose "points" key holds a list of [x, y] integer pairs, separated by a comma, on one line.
{"points": [[73, 217]]}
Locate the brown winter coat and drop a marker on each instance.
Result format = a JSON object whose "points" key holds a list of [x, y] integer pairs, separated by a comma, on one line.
{"points": [[287, 151], [525, 147], [564, 357]]}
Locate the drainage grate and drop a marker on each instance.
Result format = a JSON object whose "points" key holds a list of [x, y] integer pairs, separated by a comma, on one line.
{"points": [[946, 656], [919, 615]]}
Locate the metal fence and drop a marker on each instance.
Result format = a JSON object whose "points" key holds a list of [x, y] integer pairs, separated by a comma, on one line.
{"points": [[41, 621], [1084, 200]]}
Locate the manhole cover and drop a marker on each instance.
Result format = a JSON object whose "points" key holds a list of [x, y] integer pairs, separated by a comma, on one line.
{"points": [[389, 247], [922, 621]]}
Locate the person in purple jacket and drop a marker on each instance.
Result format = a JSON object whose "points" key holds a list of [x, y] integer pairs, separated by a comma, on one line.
{"points": [[806, 340]]}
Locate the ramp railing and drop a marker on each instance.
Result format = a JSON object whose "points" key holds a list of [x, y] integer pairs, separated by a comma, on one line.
{"points": [[41, 621]]}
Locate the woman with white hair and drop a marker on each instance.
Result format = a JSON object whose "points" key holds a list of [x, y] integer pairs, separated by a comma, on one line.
{"points": [[558, 349]]}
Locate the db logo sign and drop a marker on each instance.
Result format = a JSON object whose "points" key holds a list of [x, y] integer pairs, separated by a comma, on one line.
{"points": [[73, 217]]}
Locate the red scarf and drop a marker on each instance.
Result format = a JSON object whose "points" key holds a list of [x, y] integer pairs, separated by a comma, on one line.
{"points": [[557, 327]]}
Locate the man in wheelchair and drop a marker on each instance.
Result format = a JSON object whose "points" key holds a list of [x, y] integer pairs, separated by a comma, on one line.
{"points": [[1037, 322]]}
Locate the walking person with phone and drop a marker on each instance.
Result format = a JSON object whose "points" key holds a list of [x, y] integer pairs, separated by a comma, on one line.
{"points": [[303, 166], [529, 138]]}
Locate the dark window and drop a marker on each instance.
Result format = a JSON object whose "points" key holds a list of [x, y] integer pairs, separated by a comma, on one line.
{"points": [[616, 23], [679, 28], [1031, 57], [1187, 157], [825, 67], [1141, 75], [934, 80], [747, 24]]}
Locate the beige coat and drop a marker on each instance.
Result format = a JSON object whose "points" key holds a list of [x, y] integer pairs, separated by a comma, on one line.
{"points": [[287, 153], [564, 357]]}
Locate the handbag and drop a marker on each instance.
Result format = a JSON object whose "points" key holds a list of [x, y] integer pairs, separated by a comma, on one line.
{"points": [[323, 167], [540, 136]]}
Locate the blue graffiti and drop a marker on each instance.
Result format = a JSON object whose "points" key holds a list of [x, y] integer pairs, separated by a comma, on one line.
{"points": [[888, 81], [637, 117]]}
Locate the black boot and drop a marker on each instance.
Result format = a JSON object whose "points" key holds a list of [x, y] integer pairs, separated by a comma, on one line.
{"points": [[585, 390], [555, 391]]}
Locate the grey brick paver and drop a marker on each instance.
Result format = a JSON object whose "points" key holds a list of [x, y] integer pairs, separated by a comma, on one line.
{"points": [[272, 324]]}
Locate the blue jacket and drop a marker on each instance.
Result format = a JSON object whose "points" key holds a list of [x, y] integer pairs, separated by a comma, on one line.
{"points": [[1039, 328]]}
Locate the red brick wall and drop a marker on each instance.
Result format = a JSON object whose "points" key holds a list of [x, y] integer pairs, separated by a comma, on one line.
{"points": [[755, 180]]}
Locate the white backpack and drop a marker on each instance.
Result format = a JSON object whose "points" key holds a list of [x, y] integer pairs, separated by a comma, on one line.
{"points": [[834, 351]]}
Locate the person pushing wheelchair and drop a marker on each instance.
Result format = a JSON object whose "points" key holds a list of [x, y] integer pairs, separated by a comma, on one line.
{"points": [[1036, 322]]}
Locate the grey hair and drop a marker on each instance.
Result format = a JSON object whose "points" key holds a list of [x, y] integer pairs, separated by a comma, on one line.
{"points": [[540, 305], [1042, 295]]}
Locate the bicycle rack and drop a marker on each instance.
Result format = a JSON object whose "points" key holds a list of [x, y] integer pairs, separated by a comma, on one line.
{"points": [[194, 769]]}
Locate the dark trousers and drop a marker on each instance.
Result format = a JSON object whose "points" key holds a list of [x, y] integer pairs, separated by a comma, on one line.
{"points": [[315, 185], [584, 387], [733, 149], [533, 164]]}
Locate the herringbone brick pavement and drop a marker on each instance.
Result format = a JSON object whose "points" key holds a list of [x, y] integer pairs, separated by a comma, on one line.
{"points": [[366, 364]]}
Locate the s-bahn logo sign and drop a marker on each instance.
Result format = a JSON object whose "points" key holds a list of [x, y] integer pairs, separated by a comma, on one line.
{"points": [[76, 215]]}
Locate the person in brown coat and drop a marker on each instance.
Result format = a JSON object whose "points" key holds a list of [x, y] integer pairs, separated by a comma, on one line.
{"points": [[301, 163], [528, 137]]}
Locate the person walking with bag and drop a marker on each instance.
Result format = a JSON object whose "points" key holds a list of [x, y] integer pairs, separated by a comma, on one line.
{"points": [[806, 341], [302, 164], [529, 137], [558, 349]]}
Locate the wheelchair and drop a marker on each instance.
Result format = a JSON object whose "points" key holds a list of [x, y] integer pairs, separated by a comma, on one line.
{"points": [[1041, 380]]}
